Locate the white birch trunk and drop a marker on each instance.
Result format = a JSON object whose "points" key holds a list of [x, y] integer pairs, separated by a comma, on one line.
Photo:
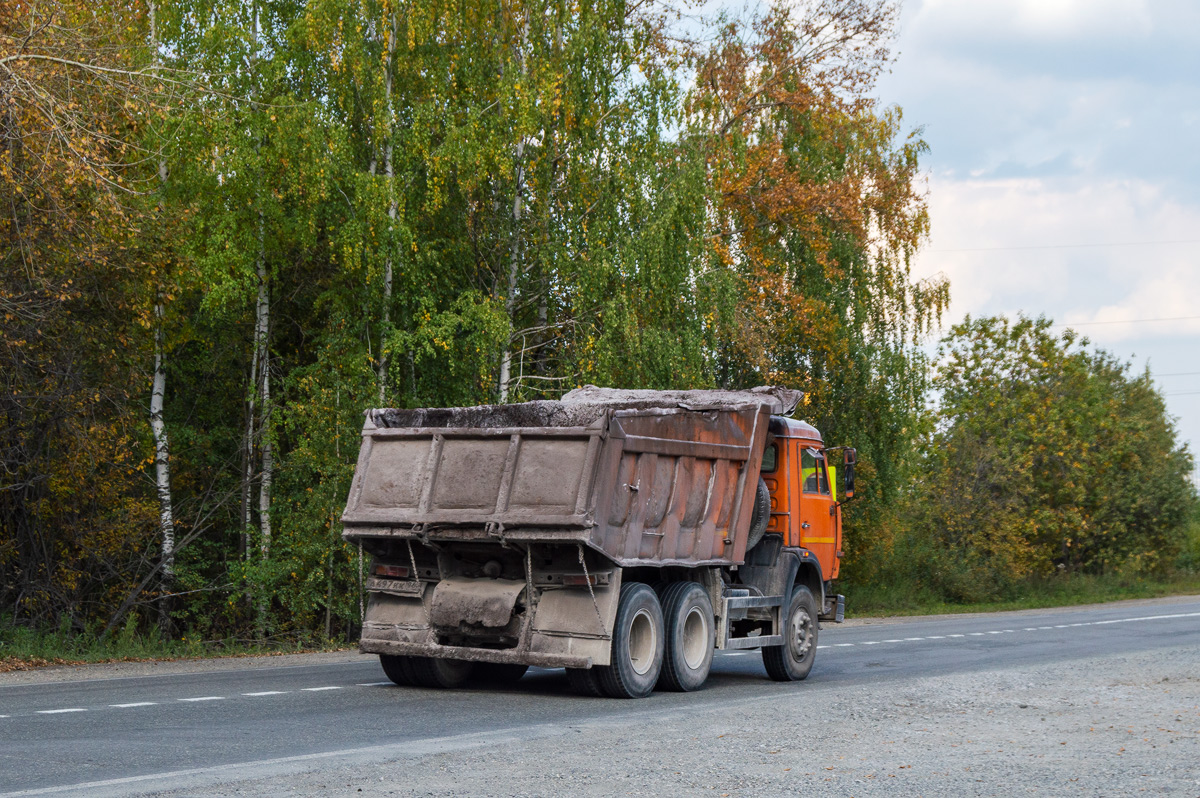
{"points": [[389, 170], [514, 255], [262, 356], [248, 449], [162, 462], [514, 269], [162, 447]]}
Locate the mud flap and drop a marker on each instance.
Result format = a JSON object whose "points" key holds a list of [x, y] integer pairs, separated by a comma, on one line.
{"points": [[483, 602]]}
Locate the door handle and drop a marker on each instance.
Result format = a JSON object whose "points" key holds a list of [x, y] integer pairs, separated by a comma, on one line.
{"points": [[805, 525]]}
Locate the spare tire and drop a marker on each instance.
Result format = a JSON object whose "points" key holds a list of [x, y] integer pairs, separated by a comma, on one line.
{"points": [[762, 514]]}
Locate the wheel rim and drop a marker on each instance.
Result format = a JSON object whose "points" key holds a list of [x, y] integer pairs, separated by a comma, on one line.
{"points": [[695, 638], [643, 641], [800, 641]]}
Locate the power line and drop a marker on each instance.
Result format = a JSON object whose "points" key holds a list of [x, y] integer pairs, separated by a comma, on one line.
{"points": [[1125, 321], [1183, 393], [1178, 374], [1071, 246]]}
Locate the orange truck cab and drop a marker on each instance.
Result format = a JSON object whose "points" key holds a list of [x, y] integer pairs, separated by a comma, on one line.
{"points": [[805, 509]]}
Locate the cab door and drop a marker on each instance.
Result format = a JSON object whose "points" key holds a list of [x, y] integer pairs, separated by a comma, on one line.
{"points": [[775, 469], [818, 522]]}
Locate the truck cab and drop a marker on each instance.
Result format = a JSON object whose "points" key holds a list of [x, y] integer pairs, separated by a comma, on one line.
{"points": [[805, 511], [804, 506]]}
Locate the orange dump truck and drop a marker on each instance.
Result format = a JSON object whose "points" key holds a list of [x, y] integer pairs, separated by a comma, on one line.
{"points": [[622, 535]]}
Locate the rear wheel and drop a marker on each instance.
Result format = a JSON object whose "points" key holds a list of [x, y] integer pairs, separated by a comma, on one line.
{"points": [[637, 645], [445, 673], [498, 672], [585, 681], [688, 617], [794, 659], [396, 668]]}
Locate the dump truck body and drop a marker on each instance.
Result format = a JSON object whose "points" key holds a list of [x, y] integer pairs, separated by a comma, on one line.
{"points": [[503, 534]]}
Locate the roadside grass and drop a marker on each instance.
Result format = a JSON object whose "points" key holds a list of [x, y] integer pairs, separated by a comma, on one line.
{"points": [[1064, 591], [22, 648]]}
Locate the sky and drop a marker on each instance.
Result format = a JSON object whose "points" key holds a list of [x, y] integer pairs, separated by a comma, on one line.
{"points": [[1063, 175]]}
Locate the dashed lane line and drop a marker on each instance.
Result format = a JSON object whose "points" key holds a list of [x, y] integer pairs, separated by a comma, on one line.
{"points": [[1014, 631], [69, 710]]}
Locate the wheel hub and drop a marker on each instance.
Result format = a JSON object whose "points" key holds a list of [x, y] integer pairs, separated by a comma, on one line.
{"points": [[800, 640]]}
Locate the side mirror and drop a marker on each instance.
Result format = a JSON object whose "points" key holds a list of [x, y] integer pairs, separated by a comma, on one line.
{"points": [[849, 459]]}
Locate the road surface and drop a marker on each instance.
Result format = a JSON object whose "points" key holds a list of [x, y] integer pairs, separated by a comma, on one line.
{"points": [[336, 726]]}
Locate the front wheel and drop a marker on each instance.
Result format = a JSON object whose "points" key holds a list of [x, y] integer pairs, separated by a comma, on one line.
{"points": [[637, 644], [794, 659]]}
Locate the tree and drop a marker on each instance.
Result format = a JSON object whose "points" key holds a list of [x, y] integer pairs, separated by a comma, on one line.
{"points": [[813, 207], [1046, 455]]}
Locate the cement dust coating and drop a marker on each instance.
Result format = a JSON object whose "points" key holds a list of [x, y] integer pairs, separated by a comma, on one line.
{"points": [[1101, 726]]}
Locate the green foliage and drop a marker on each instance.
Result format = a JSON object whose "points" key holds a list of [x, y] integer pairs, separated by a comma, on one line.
{"points": [[901, 597], [1045, 456], [431, 203]]}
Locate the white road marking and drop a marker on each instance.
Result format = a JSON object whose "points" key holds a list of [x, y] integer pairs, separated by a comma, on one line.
{"points": [[1138, 619], [1149, 618], [1026, 629]]}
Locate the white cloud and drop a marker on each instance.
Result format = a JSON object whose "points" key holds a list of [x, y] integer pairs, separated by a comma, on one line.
{"points": [[1062, 19], [1061, 122], [1009, 245]]}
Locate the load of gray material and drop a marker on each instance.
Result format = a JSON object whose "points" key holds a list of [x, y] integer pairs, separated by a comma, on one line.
{"points": [[583, 407]]}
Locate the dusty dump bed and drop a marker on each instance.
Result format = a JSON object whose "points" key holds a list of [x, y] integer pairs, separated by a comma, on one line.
{"points": [[645, 477]]}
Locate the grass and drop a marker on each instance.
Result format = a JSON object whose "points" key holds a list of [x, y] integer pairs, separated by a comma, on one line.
{"points": [[871, 600], [22, 648]]}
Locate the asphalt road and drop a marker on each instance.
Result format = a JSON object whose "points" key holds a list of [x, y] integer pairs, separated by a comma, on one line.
{"points": [[139, 734]]}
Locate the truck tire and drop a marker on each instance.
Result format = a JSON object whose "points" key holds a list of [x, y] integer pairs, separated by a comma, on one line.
{"points": [[637, 645], [437, 672], [761, 516], [585, 681], [498, 673], [688, 617], [794, 659], [397, 668]]}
